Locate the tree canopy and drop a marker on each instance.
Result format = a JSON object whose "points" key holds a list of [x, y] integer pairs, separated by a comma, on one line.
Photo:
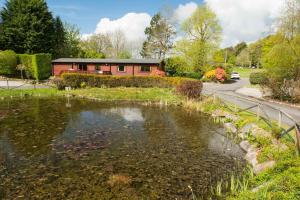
{"points": [[27, 26]]}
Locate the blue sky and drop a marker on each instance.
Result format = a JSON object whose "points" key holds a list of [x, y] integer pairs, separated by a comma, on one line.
{"points": [[87, 13], [241, 20]]}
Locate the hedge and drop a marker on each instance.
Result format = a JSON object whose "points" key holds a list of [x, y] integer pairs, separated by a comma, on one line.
{"points": [[8, 62], [77, 80], [258, 78], [38, 66]]}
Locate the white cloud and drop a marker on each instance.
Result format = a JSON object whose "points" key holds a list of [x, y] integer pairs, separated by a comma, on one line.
{"points": [[132, 24], [244, 20], [183, 12]]}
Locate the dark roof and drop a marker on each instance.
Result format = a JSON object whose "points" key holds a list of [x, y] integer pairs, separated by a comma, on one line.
{"points": [[107, 61]]}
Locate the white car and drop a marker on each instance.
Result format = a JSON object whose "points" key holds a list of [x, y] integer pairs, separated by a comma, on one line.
{"points": [[235, 76]]}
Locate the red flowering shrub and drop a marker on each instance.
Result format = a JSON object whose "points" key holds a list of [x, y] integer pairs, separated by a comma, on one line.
{"points": [[221, 74]]}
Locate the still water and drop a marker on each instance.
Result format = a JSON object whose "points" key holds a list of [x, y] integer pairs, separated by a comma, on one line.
{"points": [[54, 149]]}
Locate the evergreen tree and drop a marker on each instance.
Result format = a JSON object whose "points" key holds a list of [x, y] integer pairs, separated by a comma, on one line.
{"points": [[27, 27], [159, 38], [59, 39]]}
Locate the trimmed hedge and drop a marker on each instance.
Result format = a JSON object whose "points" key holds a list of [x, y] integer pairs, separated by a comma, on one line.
{"points": [[258, 78], [8, 62], [76, 80], [26, 60], [38, 66]]}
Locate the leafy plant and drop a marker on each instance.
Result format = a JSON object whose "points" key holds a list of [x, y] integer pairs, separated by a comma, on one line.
{"points": [[8, 62], [190, 89], [258, 78]]}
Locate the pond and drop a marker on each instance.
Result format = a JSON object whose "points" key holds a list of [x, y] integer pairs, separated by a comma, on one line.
{"points": [[51, 148]]}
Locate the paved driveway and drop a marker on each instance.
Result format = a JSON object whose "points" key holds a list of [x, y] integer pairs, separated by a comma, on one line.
{"points": [[227, 93], [19, 85]]}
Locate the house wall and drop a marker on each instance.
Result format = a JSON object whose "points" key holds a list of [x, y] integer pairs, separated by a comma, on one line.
{"points": [[113, 68]]}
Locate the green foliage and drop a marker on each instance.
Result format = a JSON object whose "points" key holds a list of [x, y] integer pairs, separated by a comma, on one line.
{"points": [[258, 78], [176, 65], [75, 80], [159, 38], [27, 27], [124, 55], [37, 66], [72, 48], [90, 54], [190, 89], [59, 39], [8, 62], [203, 32]]}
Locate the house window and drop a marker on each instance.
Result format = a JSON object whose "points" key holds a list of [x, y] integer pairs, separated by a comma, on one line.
{"points": [[97, 67], [121, 68], [145, 68]]}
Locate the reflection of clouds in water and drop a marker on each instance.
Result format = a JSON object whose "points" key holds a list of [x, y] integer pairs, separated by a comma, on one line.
{"points": [[129, 114]]}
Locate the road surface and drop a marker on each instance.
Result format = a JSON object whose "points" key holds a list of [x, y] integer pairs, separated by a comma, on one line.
{"points": [[227, 91]]}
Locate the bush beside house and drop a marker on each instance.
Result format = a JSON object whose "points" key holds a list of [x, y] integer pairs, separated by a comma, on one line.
{"points": [[89, 80], [8, 62]]}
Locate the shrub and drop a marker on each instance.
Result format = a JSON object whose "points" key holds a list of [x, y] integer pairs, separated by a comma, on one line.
{"points": [[258, 78], [190, 89], [221, 75], [74, 80], [8, 62], [60, 84], [210, 75], [37, 66]]}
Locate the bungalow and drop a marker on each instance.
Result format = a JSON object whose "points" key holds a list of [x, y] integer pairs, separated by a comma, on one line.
{"points": [[120, 67]]}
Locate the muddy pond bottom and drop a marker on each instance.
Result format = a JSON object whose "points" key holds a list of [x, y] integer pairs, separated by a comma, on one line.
{"points": [[51, 148]]}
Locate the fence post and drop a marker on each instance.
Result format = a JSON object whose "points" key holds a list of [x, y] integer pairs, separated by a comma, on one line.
{"points": [[214, 96], [258, 112], [297, 127], [7, 83], [280, 119]]}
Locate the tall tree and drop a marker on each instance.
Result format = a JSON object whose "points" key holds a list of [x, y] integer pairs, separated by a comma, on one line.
{"points": [[159, 38], [59, 39], [99, 43], [239, 48], [27, 27], [289, 22], [72, 48], [203, 33]]}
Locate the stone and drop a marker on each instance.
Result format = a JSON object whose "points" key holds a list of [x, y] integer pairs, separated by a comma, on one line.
{"points": [[256, 131], [245, 145], [232, 117], [259, 168], [218, 113], [230, 127], [251, 157]]}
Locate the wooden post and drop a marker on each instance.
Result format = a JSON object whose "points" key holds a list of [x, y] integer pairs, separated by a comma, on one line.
{"points": [[7, 83], [297, 127], [280, 119], [214, 95], [258, 112]]}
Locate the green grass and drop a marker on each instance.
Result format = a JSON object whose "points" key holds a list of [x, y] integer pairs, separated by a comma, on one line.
{"points": [[4, 93], [129, 94], [245, 72], [105, 94]]}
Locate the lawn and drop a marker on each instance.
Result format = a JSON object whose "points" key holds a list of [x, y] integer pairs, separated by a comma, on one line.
{"points": [[245, 72], [105, 94]]}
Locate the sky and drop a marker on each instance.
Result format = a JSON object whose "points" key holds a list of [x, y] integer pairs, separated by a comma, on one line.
{"points": [[242, 20]]}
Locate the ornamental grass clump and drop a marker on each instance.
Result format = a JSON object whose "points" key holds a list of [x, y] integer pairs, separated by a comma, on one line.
{"points": [[190, 89]]}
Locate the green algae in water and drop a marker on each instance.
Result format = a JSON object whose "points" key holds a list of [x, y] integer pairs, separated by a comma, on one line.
{"points": [[54, 149]]}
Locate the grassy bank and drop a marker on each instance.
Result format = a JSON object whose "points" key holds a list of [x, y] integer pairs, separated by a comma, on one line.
{"points": [[245, 72], [281, 182], [105, 94]]}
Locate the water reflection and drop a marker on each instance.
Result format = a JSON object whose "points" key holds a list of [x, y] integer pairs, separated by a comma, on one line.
{"points": [[98, 150], [129, 114]]}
